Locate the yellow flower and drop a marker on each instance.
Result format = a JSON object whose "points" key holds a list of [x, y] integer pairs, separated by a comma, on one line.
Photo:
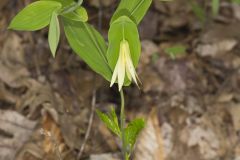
{"points": [[124, 66]]}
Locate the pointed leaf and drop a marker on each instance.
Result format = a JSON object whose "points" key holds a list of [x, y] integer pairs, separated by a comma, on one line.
{"points": [[79, 14], [89, 45], [35, 16], [135, 9], [132, 131], [110, 121], [54, 33], [114, 119]]}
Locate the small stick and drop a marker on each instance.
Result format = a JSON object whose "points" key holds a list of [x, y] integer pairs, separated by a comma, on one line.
{"points": [[89, 125]]}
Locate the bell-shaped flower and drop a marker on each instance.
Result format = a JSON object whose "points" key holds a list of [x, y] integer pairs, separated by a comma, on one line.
{"points": [[124, 66]]}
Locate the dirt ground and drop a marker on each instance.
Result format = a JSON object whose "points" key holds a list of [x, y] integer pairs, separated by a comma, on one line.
{"points": [[191, 103]]}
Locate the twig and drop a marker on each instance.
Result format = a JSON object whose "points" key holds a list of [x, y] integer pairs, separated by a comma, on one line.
{"points": [[93, 104]]}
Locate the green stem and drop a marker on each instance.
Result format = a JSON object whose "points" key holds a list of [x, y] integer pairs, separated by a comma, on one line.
{"points": [[72, 7], [122, 123]]}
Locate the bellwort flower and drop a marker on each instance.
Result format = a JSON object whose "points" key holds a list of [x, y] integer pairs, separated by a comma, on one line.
{"points": [[124, 66]]}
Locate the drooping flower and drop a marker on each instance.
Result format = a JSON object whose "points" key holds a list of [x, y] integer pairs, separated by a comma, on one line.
{"points": [[124, 66]]}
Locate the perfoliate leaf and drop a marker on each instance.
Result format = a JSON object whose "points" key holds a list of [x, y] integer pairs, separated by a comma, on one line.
{"points": [[215, 7], [110, 121], [80, 14], [135, 9], [132, 131], [123, 29], [35, 16], [54, 33], [89, 45]]}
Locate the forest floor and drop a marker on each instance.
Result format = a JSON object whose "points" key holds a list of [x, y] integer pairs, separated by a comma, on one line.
{"points": [[191, 102]]}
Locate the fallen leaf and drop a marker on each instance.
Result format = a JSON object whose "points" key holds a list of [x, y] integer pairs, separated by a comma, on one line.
{"points": [[15, 130], [105, 157], [150, 145], [53, 141], [217, 48]]}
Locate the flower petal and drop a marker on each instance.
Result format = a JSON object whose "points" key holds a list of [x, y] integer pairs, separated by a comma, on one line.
{"points": [[129, 64], [114, 76], [121, 67]]}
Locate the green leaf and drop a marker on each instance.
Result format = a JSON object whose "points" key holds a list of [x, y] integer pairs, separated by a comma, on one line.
{"points": [[89, 45], [79, 14], [123, 28], [35, 16], [175, 50], [132, 131], [198, 11], [63, 2], [111, 121], [54, 33], [236, 1], [135, 9], [215, 7]]}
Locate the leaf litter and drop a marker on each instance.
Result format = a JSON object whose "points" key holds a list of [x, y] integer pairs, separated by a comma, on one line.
{"points": [[191, 104]]}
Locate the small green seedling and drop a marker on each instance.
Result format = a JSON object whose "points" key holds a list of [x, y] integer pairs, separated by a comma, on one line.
{"points": [[115, 61], [176, 50]]}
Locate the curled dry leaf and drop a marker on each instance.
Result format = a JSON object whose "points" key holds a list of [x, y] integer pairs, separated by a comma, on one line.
{"points": [[15, 130], [12, 67], [53, 143], [47, 141], [150, 145], [37, 95]]}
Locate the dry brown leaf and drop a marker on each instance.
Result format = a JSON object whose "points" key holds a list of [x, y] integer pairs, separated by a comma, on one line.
{"points": [[234, 110], [15, 130], [216, 49], [105, 157], [13, 52], [37, 95], [12, 76], [53, 140], [150, 145]]}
